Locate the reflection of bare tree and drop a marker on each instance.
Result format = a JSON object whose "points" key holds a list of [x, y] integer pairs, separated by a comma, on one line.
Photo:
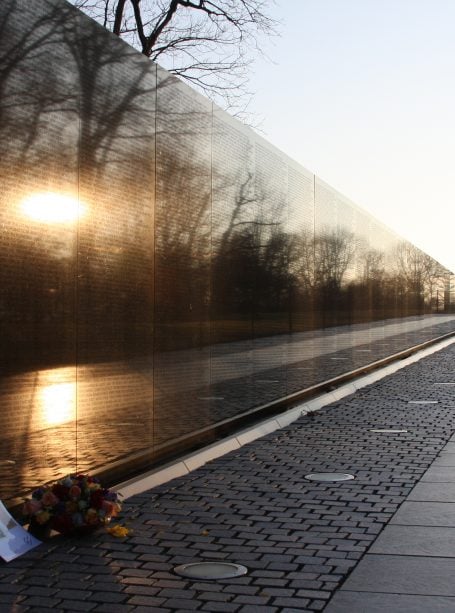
{"points": [[263, 269], [373, 266], [304, 265], [279, 257], [243, 211], [369, 289], [419, 276], [28, 100], [182, 247], [334, 252], [251, 265]]}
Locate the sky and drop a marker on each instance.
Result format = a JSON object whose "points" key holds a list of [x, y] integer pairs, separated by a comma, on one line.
{"points": [[362, 93]]}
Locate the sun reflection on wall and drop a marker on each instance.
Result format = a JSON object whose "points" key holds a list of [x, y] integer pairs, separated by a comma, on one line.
{"points": [[50, 207], [57, 397]]}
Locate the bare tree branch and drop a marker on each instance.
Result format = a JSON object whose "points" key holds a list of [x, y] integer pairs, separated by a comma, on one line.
{"points": [[118, 17], [208, 43]]}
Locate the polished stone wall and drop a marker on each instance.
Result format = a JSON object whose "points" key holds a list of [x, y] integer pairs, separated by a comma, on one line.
{"points": [[164, 269]]}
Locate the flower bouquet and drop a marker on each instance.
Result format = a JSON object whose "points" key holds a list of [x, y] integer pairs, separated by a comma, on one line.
{"points": [[76, 504]]}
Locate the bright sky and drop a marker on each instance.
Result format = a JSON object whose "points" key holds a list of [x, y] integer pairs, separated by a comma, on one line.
{"points": [[362, 93]]}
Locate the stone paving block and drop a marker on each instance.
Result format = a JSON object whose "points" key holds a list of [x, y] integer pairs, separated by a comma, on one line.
{"points": [[361, 602], [73, 594], [161, 566], [257, 609], [142, 609], [268, 573], [297, 603], [134, 572], [433, 492], [142, 590], [136, 581], [35, 609], [318, 605], [271, 582], [317, 594], [439, 474], [146, 601], [242, 589], [403, 575], [35, 590], [120, 608], [41, 601], [182, 604], [416, 540], [176, 593], [445, 459], [215, 596], [77, 605], [225, 607], [413, 513], [306, 584], [252, 600]]}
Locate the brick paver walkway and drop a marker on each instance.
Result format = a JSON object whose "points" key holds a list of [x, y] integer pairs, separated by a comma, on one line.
{"points": [[300, 540]]}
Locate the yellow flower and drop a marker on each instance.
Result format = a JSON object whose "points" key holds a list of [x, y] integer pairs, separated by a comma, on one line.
{"points": [[91, 516], [118, 530], [42, 517]]}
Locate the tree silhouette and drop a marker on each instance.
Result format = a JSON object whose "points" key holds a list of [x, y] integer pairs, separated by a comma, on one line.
{"points": [[208, 43]]}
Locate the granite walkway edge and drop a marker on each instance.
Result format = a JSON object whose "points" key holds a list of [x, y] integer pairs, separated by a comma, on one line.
{"points": [[301, 541]]}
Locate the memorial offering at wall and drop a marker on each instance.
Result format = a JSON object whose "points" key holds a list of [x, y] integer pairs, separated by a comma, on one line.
{"points": [[14, 539], [164, 269]]}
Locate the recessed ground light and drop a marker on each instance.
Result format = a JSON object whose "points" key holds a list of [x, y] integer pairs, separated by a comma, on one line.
{"points": [[210, 570], [338, 358], [422, 402], [329, 477], [386, 430], [364, 350], [267, 381]]}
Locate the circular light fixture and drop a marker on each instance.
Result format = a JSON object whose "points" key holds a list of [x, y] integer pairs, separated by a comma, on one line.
{"points": [[210, 570], [329, 477]]}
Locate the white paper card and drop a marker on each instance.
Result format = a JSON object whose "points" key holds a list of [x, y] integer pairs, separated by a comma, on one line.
{"points": [[14, 539]]}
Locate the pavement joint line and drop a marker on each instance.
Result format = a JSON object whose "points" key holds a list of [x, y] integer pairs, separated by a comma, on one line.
{"points": [[191, 462]]}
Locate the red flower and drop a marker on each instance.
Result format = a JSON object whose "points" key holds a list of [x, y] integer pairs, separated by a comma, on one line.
{"points": [[49, 499], [96, 499], [75, 491], [62, 523], [61, 491]]}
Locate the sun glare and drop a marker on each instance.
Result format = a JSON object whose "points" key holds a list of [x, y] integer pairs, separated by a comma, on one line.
{"points": [[59, 403], [50, 207], [57, 396]]}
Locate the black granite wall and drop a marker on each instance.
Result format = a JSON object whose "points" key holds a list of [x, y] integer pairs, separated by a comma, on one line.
{"points": [[163, 268]]}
